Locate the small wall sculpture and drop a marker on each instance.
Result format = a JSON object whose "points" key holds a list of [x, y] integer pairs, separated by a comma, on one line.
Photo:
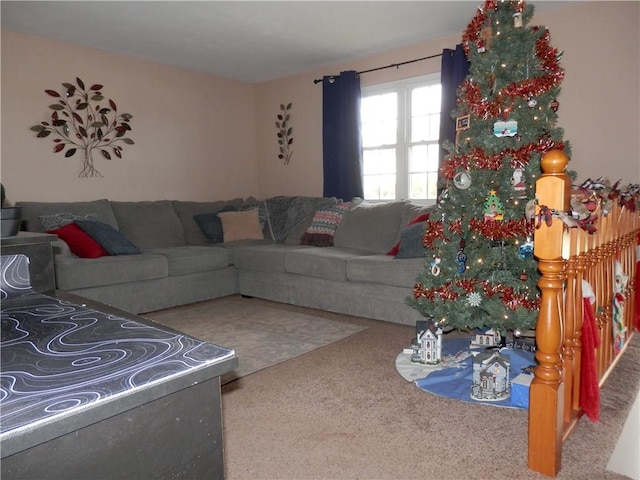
{"points": [[284, 134]]}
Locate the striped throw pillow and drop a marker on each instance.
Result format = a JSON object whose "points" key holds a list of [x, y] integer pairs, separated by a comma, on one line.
{"points": [[324, 224]]}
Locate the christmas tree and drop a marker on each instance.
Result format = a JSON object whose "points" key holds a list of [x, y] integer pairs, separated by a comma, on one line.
{"points": [[479, 242]]}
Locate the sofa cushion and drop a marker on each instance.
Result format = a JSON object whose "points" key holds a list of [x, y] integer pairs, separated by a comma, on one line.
{"points": [[327, 263], [149, 224], [32, 210], [186, 210], [190, 259], [370, 226], [262, 258], [241, 225], [75, 273], [79, 242], [412, 210], [385, 270], [323, 225]]}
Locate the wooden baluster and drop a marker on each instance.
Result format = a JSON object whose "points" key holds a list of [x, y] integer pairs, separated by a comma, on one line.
{"points": [[581, 263], [546, 396], [572, 305]]}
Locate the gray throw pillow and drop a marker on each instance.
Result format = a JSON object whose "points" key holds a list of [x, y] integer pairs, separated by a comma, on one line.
{"points": [[411, 245], [111, 239], [211, 225], [59, 220]]}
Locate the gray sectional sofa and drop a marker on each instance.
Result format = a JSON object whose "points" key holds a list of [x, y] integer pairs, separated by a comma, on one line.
{"points": [[179, 265]]}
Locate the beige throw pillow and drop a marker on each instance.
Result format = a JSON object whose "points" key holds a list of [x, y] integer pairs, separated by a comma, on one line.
{"points": [[241, 225]]}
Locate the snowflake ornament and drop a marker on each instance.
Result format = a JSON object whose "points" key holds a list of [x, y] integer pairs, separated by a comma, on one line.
{"points": [[474, 299]]}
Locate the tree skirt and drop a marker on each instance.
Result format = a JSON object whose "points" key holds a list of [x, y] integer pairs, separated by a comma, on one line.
{"points": [[452, 378]]}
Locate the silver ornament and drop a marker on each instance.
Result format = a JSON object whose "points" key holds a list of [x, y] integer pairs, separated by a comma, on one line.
{"points": [[462, 180]]}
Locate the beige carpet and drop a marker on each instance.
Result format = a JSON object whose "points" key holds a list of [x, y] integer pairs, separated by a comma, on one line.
{"points": [[343, 412], [260, 335]]}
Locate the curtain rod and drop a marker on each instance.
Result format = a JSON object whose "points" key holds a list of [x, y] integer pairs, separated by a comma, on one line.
{"points": [[318, 80]]}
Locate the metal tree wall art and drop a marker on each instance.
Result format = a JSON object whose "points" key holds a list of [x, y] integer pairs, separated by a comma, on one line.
{"points": [[284, 134], [80, 122]]}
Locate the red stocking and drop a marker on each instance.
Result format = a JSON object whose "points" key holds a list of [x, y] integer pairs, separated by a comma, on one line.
{"points": [[589, 390]]}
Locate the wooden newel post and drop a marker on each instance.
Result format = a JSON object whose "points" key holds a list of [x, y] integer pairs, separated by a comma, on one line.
{"points": [[546, 395]]}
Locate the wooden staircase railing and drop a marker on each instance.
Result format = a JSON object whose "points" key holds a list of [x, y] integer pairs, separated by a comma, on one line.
{"points": [[566, 257]]}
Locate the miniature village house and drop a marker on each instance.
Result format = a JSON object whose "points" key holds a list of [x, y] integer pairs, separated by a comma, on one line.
{"points": [[429, 347], [490, 376], [490, 338]]}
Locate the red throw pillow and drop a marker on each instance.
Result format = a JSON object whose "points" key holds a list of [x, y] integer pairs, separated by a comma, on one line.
{"points": [[423, 217], [79, 242]]}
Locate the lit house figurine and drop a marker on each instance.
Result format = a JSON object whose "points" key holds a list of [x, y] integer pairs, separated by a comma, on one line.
{"points": [[490, 377], [427, 348]]}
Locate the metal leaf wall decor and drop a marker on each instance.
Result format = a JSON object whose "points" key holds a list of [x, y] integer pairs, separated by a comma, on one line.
{"points": [[284, 135], [82, 121]]}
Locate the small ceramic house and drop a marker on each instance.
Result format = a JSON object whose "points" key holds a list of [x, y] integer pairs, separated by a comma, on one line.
{"points": [[490, 377], [490, 338], [428, 349]]}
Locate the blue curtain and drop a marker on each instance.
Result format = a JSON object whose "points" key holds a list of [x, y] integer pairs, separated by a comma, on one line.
{"points": [[341, 140], [453, 70]]}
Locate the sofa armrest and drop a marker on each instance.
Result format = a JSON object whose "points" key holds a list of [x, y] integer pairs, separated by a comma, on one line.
{"points": [[61, 249]]}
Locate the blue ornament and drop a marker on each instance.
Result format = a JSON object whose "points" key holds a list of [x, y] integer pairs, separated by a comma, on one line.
{"points": [[526, 250], [461, 257]]}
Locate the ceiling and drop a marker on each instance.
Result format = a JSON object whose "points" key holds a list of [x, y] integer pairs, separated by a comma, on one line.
{"points": [[249, 41]]}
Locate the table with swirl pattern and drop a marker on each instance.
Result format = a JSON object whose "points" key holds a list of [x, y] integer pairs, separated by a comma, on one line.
{"points": [[63, 362]]}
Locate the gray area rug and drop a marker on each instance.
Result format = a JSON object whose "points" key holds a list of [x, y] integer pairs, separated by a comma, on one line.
{"points": [[261, 336]]}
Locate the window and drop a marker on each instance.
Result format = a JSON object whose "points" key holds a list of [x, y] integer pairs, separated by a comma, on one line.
{"points": [[400, 139]]}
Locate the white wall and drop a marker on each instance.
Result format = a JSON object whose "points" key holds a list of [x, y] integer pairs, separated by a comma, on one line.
{"points": [[194, 134]]}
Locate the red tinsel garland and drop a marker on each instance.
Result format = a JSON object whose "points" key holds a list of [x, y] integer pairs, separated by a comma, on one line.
{"points": [[547, 55], [477, 159], [433, 231], [497, 230], [509, 297]]}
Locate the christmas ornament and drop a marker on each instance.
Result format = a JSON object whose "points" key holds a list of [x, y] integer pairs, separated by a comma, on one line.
{"points": [[532, 102], [462, 180], [484, 42], [517, 180], [461, 258], [524, 277], [435, 269], [517, 19], [443, 196], [526, 251], [493, 208], [555, 105], [505, 129], [474, 299]]}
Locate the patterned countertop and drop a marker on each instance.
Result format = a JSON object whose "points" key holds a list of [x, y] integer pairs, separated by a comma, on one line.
{"points": [[60, 359]]}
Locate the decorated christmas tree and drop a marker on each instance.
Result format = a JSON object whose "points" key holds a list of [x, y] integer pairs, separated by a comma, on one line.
{"points": [[479, 242]]}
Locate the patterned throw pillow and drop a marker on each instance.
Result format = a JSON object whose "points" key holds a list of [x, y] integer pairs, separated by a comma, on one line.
{"points": [[80, 244], [57, 220], [323, 225], [111, 239]]}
